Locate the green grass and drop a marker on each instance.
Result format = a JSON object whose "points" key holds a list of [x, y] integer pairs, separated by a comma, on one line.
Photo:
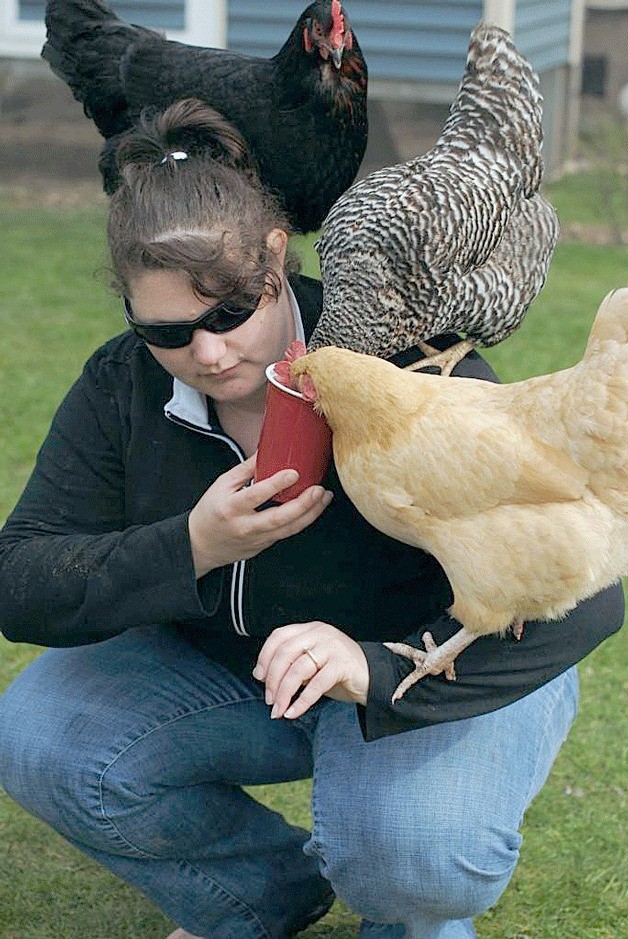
{"points": [[54, 310], [595, 197], [570, 883], [554, 333]]}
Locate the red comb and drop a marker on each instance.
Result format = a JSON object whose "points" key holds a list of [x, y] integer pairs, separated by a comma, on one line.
{"points": [[282, 373], [295, 350], [338, 25]]}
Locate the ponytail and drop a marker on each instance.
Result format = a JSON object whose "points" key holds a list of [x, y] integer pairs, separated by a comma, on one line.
{"points": [[190, 199]]}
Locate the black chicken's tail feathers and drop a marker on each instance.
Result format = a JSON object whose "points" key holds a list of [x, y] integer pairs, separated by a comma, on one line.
{"points": [[86, 46], [501, 82]]}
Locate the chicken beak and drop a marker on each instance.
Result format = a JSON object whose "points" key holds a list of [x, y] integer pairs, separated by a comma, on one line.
{"points": [[336, 56]]}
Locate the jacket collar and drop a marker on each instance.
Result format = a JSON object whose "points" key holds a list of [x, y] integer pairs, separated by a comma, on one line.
{"points": [[189, 406]]}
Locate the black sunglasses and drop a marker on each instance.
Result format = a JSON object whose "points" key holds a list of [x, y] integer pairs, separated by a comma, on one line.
{"points": [[217, 319]]}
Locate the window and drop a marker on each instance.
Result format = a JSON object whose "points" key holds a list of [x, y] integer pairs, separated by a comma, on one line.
{"points": [[594, 75]]}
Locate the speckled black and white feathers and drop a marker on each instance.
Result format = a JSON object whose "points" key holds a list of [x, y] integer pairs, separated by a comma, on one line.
{"points": [[303, 118], [458, 239]]}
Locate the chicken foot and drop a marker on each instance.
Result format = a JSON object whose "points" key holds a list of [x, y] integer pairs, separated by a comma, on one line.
{"points": [[445, 360], [437, 659], [518, 627]]}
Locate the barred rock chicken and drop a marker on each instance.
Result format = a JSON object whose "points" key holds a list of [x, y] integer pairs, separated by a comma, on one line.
{"points": [[302, 112], [456, 240], [529, 517]]}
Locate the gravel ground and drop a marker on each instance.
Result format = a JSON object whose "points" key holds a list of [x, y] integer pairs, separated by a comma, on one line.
{"points": [[47, 143], [49, 149]]}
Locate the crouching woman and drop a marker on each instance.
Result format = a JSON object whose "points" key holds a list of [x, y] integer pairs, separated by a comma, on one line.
{"points": [[182, 614]]}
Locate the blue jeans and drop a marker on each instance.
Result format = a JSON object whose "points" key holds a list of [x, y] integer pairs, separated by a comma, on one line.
{"points": [[136, 751]]}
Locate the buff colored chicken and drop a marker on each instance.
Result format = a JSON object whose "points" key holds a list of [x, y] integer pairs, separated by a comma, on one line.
{"points": [[529, 517]]}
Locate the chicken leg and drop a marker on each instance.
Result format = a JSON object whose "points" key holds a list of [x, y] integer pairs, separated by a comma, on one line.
{"points": [[446, 360], [437, 659]]}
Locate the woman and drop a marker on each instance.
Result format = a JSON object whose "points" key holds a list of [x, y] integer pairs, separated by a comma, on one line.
{"points": [[141, 526]]}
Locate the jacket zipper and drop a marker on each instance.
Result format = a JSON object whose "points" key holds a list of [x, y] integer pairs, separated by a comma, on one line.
{"points": [[237, 572]]}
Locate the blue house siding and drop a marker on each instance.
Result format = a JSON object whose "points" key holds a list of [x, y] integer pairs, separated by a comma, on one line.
{"points": [[542, 31], [402, 41], [158, 14]]}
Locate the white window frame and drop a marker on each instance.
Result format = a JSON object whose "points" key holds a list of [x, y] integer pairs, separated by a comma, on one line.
{"points": [[205, 25]]}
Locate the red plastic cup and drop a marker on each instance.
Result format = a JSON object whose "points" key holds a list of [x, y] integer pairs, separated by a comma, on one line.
{"points": [[293, 436]]}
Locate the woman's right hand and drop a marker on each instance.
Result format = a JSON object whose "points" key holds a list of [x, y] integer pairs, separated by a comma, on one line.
{"points": [[225, 527]]}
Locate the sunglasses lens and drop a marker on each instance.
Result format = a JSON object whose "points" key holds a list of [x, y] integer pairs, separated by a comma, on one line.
{"points": [[220, 319], [228, 319], [165, 337]]}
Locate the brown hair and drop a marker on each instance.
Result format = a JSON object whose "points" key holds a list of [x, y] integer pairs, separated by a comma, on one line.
{"points": [[205, 213]]}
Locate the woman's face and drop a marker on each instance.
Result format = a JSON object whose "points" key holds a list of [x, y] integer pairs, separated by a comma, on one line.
{"points": [[230, 366]]}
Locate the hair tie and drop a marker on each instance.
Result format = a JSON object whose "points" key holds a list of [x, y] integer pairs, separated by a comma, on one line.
{"points": [[176, 155]]}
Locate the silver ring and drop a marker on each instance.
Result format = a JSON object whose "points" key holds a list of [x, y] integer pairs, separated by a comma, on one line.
{"points": [[313, 657]]}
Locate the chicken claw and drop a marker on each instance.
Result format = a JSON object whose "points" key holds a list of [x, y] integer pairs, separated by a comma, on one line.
{"points": [[437, 659], [446, 361], [517, 627]]}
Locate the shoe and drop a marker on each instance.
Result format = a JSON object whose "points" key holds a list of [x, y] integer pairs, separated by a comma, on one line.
{"points": [[321, 910], [313, 917], [182, 934]]}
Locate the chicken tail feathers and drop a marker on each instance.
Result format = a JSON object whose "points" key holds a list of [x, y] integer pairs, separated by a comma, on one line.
{"points": [[611, 321], [500, 82], [86, 46], [108, 163]]}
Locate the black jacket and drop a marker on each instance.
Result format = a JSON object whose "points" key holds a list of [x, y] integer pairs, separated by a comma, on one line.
{"points": [[98, 543]]}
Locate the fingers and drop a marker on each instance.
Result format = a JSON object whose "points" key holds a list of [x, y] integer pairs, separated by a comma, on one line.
{"points": [[300, 674], [311, 660], [286, 667], [241, 474], [322, 682], [289, 663], [286, 641], [290, 517], [225, 527], [294, 516], [265, 490], [303, 675]]}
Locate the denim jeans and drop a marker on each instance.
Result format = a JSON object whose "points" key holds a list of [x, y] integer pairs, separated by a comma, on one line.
{"points": [[136, 750]]}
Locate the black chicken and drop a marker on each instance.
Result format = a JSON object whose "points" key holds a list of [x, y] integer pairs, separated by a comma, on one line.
{"points": [[302, 112]]}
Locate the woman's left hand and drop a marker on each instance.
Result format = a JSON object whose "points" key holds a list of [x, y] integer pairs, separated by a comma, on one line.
{"points": [[316, 657]]}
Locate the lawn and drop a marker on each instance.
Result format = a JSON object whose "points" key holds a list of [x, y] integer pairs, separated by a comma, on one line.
{"points": [[54, 310]]}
